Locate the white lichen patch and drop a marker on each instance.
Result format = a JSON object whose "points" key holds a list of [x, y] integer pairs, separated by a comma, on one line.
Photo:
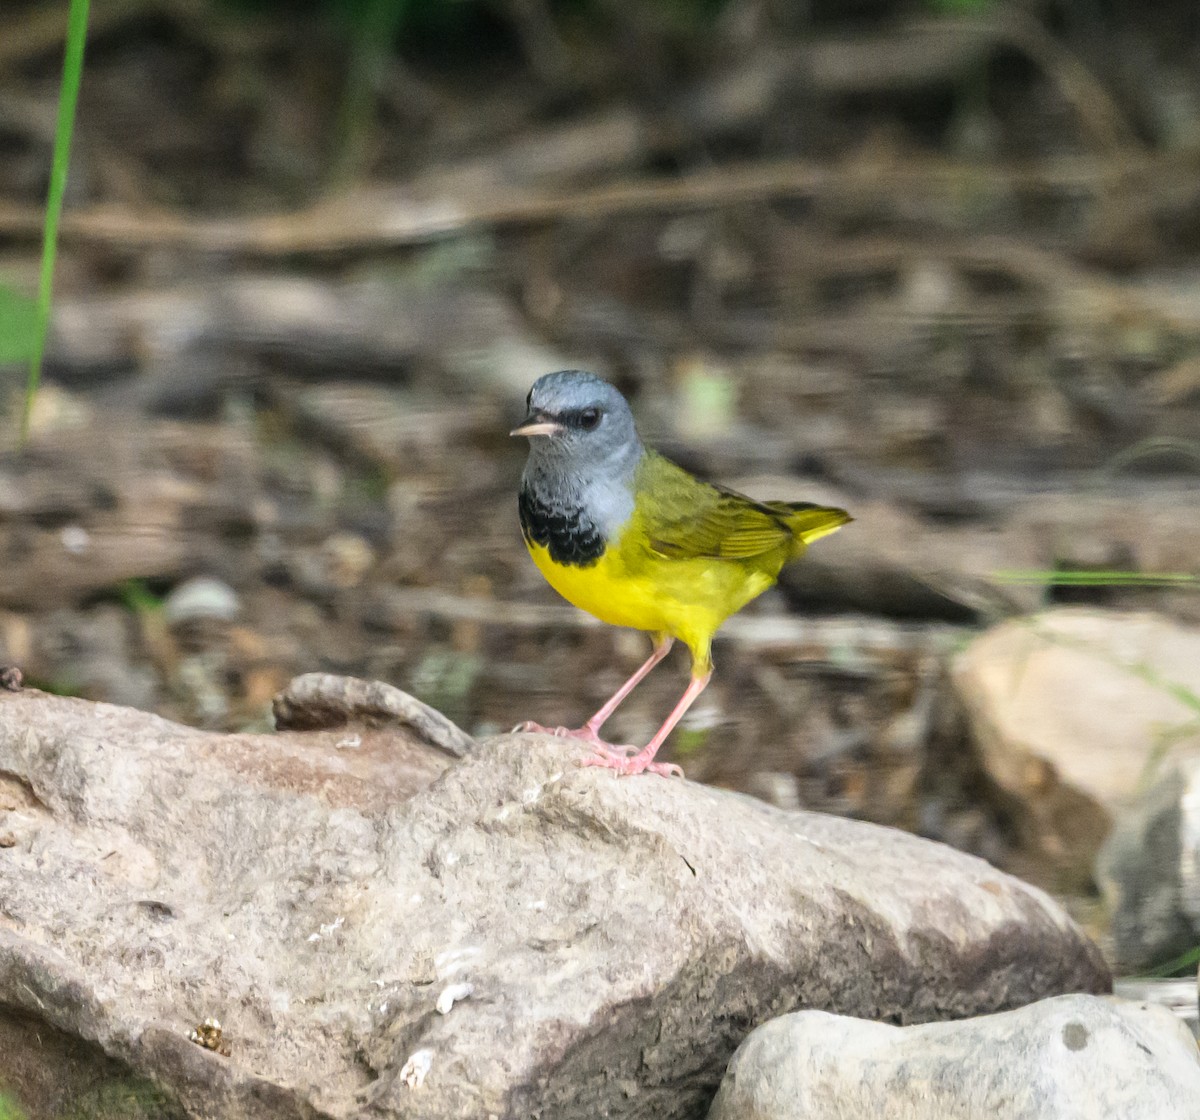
{"points": [[414, 1071], [451, 995]]}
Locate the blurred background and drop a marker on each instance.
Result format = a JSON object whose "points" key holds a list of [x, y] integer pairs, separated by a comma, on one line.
{"points": [[934, 261]]}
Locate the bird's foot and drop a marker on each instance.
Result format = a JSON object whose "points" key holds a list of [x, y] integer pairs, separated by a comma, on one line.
{"points": [[618, 759], [609, 753], [624, 759], [585, 733]]}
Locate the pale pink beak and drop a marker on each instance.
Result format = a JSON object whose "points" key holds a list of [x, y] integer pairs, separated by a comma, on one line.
{"points": [[537, 427]]}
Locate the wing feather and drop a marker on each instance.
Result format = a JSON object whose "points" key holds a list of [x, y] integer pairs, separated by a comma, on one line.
{"points": [[685, 518]]}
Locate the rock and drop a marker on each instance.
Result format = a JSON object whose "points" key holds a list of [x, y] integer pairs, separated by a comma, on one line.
{"points": [[381, 930], [776, 787], [1149, 870], [322, 700], [1177, 995], [200, 600], [1076, 1057], [1071, 710]]}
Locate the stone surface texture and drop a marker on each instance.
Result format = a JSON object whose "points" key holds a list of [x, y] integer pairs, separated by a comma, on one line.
{"points": [[1073, 710], [1074, 1057], [383, 931], [1177, 994]]}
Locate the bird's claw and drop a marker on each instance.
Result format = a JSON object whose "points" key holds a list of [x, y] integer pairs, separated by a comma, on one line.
{"points": [[585, 733], [611, 751], [528, 727], [623, 759], [626, 764]]}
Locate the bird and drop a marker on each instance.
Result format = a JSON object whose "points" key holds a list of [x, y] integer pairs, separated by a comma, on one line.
{"points": [[632, 538]]}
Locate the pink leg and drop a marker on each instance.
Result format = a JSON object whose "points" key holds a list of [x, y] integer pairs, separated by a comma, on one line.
{"points": [[662, 647], [590, 731], [643, 761]]}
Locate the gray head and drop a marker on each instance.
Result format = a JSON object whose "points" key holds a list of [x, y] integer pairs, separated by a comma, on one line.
{"points": [[579, 425]]}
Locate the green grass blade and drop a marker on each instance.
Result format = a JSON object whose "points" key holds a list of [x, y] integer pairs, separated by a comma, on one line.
{"points": [[1068, 578], [77, 20], [1185, 963], [18, 328]]}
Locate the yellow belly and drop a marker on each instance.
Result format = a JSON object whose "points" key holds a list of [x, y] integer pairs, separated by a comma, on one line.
{"points": [[688, 599]]}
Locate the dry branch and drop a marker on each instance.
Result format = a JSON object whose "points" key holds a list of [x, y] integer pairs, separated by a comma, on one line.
{"points": [[373, 218]]}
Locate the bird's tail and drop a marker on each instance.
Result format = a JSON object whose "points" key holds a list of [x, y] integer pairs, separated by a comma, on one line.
{"points": [[810, 523]]}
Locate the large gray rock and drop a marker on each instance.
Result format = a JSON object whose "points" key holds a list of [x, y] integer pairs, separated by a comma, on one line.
{"points": [[384, 931], [1071, 1058]]}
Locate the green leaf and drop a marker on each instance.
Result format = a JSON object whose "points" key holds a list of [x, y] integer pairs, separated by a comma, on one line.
{"points": [[18, 326]]}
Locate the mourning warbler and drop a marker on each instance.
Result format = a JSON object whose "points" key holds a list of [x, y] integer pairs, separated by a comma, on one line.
{"points": [[635, 540]]}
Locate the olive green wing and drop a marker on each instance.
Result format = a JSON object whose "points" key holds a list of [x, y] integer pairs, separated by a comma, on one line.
{"points": [[684, 518]]}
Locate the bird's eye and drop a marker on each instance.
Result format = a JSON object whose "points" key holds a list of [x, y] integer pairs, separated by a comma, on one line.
{"points": [[529, 400], [589, 418]]}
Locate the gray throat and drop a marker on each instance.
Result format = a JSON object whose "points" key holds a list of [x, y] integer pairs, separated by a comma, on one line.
{"points": [[575, 514]]}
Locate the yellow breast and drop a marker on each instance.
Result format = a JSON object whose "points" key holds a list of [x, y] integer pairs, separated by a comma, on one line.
{"points": [[631, 586]]}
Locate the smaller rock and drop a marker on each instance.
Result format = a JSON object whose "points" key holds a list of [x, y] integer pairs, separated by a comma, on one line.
{"points": [[1071, 709], [200, 681], [348, 559], [1177, 994], [200, 600], [1073, 1057], [1149, 870], [776, 787], [324, 700]]}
